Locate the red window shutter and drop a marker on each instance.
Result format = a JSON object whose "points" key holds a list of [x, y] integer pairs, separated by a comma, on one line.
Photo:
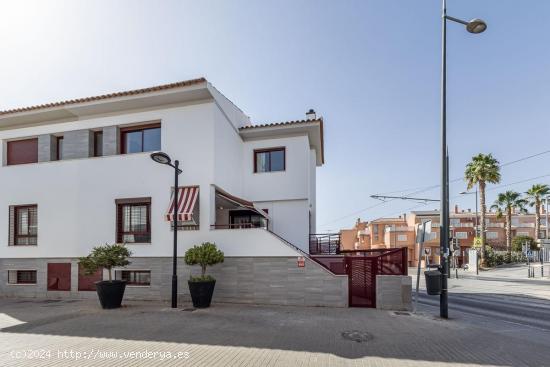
{"points": [[87, 282], [59, 276], [22, 151]]}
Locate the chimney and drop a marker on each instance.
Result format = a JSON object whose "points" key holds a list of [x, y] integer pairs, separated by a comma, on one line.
{"points": [[469, 210], [358, 221], [404, 216], [456, 209], [311, 115]]}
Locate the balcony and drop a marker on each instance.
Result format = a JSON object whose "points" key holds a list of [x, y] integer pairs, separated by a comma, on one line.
{"points": [[324, 244]]}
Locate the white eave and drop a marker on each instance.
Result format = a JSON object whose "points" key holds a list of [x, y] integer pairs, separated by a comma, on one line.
{"points": [[312, 128]]}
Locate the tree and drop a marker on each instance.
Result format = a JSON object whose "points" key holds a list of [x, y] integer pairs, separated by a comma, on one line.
{"points": [[107, 257], [206, 254], [535, 195], [483, 169], [519, 241], [505, 203]]}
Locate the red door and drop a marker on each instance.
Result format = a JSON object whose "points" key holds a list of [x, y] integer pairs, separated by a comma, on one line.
{"points": [[59, 276], [362, 281], [87, 282]]}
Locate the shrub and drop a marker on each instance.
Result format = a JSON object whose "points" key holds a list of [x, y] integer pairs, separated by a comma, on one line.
{"points": [[107, 256], [519, 241], [207, 254]]}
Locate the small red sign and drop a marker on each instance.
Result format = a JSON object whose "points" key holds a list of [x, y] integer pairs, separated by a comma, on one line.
{"points": [[301, 262]]}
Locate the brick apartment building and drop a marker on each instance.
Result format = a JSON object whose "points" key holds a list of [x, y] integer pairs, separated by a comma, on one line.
{"points": [[401, 231]]}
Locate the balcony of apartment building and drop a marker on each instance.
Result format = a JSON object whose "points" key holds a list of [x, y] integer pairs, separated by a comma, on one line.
{"points": [[233, 212]]}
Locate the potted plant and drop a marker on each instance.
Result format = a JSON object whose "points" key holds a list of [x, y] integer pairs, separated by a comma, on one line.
{"points": [[110, 292], [202, 287]]}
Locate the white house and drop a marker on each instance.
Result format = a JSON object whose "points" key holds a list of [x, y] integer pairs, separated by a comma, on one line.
{"points": [[77, 174]]}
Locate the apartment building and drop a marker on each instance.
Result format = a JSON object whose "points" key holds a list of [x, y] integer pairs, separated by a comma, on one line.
{"points": [[77, 174], [401, 231]]}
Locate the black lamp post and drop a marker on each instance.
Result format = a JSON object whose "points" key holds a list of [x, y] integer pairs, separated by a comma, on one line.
{"points": [[474, 26], [163, 158]]}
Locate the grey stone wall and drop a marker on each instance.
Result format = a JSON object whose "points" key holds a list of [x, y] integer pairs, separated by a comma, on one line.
{"points": [[111, 138], [78, 144], [394, 292], [46, 148], [253, 280]]}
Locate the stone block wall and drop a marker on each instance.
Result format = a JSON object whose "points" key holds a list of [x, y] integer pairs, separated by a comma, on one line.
{"points": [[252, 280], [394, 292]]}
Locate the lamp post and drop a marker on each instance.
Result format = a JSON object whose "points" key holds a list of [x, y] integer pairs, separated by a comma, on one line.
{"points": [[477, 219], [474, 26], [163, 158]]}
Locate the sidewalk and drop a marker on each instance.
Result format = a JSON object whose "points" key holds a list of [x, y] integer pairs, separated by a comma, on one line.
{"points": [[244, 335]]}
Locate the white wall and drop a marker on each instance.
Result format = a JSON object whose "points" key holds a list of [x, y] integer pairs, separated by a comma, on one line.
{"points": [[285, 185], [76, 198]]}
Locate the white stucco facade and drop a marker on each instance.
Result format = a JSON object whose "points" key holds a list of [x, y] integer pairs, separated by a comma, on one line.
{"points": [[75, 198]]}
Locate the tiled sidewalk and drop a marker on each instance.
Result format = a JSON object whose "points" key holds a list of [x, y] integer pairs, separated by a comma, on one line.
{"points": [[79, 333]]}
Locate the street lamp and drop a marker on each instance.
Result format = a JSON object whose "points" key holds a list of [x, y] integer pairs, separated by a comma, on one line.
{"points": [[474, 26], [163, 158], [477, 220]]}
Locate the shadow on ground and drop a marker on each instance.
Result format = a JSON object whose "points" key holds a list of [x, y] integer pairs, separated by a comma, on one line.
{"points": [[304, 329]]}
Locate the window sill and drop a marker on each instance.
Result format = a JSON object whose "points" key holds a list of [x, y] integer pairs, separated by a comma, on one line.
{"points": [[260, 173], [138, 286], [22, 245], [24, 284], [137, 243]]}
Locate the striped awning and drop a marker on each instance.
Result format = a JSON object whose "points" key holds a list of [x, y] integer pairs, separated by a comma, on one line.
{"points": [[187, 200]]}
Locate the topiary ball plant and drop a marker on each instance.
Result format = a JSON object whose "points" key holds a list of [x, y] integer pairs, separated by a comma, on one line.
{"points": [[207, 254], [107, 257]]}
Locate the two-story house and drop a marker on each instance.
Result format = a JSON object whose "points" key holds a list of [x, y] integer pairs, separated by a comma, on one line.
{"points": [[78, 173]]}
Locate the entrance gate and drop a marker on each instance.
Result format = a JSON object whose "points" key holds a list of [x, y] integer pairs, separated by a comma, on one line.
{"points": [[362, 267]]}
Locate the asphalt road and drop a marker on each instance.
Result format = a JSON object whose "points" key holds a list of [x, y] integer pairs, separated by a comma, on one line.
{"points": [[500, 297]]}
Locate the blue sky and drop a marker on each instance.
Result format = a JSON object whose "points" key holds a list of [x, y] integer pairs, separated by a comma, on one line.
{"points": [[369, 67]]}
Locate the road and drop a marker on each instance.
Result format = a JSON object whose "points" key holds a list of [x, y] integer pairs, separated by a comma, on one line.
{"points": [[500, 298]]}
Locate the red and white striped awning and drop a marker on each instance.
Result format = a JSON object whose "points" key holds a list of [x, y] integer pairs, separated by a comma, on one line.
{"points": [[187, 199]]}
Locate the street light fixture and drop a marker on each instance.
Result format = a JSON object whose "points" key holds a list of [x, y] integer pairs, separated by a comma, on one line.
{"points": [[474, 26], [163, 158]]}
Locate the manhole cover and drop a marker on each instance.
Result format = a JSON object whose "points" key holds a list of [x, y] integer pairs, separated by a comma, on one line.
{"points": [[357, 336]]}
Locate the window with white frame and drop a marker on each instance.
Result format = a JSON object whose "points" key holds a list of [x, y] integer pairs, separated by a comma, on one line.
{"points": [[461, 235], [402, 237], [523, 234], [455, 222], [492, 235]]}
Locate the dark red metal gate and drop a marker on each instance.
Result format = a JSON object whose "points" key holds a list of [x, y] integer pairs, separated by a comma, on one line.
{"points": [[361, 281], [362, 267]]}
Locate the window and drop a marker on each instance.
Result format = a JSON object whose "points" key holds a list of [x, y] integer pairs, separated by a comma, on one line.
{"points": [[23, 225], [134, 277], [134, 220], [86, 282], [523, 233], [140, 139], [58, 148], [461, 235], [455, 222], [492, 235], [98, 143], [59, 276], [402, 237], [269, 160], [22, 152], [21, 276], [515, 222]]}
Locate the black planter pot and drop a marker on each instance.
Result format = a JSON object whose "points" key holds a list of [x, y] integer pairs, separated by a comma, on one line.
{"points": [[110, 293], [201, 293]]}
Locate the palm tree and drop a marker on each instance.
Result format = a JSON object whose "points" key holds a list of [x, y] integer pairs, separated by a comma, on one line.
{"points": [[483, 169], [507, 202], [535, 195]]}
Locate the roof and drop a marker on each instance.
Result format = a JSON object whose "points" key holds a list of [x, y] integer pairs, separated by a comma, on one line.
{"points": [[284, 123], [294, 125], [132, 92]]}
